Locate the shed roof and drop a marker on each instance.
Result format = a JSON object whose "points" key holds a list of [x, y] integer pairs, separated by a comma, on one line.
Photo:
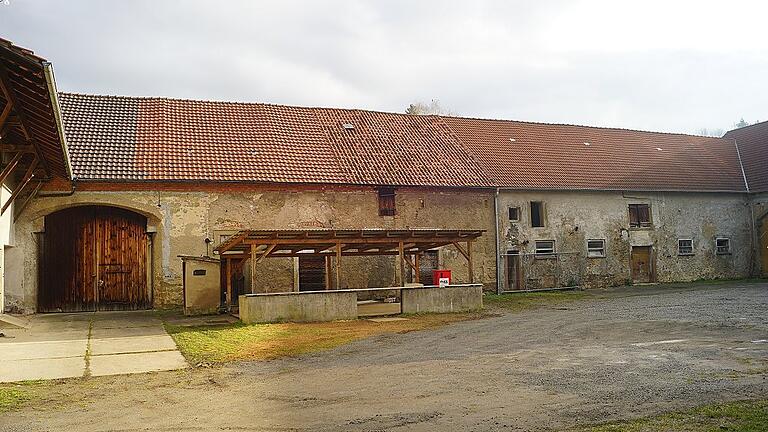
{"points": [[30, 124]]}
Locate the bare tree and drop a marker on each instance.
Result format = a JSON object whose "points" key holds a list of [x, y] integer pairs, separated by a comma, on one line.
{"points": [[711, 132], [432, 108]]}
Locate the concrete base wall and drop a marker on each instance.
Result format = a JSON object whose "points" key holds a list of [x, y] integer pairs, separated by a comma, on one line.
{"points": [[298, 307], [202, 285], [442, 300]]}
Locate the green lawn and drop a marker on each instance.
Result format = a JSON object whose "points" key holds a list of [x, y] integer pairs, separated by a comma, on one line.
{"points": [[13, 396], [743, 416]]}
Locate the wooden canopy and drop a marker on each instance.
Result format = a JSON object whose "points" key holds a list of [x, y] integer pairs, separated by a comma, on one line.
{"points": [[407, 243], [32, 145]]}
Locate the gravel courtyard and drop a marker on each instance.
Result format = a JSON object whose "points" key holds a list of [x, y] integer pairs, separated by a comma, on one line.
{"points": [[617, 354]]}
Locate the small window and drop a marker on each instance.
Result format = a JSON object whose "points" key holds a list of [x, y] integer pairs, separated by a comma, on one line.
{"points": [[596, 248], [685, 247], [514, 214], [387, 202], [639, 215], [545, 248], [537, 214], [722, 246]]}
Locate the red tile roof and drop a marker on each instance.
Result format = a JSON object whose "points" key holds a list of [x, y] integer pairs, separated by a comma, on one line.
{"points": [[121, 138], [554, 156], [126, 138], [752, 142]]}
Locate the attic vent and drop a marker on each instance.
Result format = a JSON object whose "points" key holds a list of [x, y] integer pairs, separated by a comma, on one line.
{"points": [[512, 139], [659, 148], [587, 144], [348, 126]]}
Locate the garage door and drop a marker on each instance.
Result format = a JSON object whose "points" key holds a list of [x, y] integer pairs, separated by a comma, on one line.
{"points": [[94, 258]]}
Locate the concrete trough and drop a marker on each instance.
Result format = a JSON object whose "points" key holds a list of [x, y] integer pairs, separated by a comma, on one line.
{"points": [[298, 306], [315, 306], [456, 298]]}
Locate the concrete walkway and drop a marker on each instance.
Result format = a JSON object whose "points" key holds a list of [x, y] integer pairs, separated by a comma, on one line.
{"points": [[87, 344]]}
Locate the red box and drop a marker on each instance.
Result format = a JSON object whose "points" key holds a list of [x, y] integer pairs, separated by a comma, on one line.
{"points": [[441, 277]]}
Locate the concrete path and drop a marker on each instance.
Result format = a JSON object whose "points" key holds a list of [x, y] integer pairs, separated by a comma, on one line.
{"points": [[87, 344]]}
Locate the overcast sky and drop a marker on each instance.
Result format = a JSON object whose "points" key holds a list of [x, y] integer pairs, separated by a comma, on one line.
{"points": [[660, 65]]}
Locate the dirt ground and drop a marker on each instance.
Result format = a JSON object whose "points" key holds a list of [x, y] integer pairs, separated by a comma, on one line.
{"points": [[617, 354]]}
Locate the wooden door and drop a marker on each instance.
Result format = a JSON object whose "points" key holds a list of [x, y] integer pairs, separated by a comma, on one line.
{"points": [[94, 258], [312, 273], [642, 264], [514, 279]]}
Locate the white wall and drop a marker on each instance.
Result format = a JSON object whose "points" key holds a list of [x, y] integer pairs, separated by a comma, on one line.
{"points": [[5, 239]]}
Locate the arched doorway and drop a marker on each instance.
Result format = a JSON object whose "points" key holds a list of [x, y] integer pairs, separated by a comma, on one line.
{"points": [[94, 258]]}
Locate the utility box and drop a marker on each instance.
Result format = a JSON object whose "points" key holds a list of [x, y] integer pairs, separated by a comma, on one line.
{"points": [[202, 285], [441, 278]]}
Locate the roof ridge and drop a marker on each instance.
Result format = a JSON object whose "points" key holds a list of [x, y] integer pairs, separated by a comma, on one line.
{"points": [[581, 126], [361, 110]]}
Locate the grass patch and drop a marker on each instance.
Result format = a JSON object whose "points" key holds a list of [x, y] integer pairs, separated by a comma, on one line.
{"points": [[14, 396], [521, 301], [743, 416], [268, 341]]}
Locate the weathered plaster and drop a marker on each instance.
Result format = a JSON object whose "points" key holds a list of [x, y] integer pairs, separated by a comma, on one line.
{"points": [[182, 220], [573, 217]]}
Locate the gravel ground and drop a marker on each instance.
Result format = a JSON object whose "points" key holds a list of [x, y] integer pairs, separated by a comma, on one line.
{"points": [[617, 354]]}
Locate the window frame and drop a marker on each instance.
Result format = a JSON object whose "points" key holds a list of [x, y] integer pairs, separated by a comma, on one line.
{"points": [[679, 249], [717, 247], [387, 199], [517, 211], [544, 255], [601, 250], [542, 214], [639, 224]]}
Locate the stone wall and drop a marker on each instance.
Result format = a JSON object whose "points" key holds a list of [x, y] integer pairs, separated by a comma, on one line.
{"points": [[573, 217], [182, 217]]}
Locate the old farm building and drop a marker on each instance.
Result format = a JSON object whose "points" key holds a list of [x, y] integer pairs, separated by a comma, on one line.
{"points": [[103, 194]]}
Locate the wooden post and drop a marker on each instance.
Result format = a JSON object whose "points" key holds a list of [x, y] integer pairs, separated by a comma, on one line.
{"points": [[229, 284], [401, 280], [470, 269], [417, 268], [338, 265], [253, 267], [328, 272]]}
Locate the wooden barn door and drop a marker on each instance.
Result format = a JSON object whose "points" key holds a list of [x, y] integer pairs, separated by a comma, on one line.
{"points": [[94, 258]]}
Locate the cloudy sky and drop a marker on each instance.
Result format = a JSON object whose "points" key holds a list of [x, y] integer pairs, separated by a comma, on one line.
{"points": [[661, 65]]}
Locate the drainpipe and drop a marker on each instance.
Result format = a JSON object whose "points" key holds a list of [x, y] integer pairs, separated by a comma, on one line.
{"points": [[496, 236]]}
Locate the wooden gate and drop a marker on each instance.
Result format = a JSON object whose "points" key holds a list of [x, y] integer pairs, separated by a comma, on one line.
{"points": [[93, 258], [312, 273]]}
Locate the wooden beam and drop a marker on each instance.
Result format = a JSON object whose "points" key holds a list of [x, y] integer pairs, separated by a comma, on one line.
{"points": [[327, 272], [6, 112], [401, 279], [27, 200], [228, 300], [338, 265], [24, 182], [470, 268], [265, 254], [253, 268], [17, 148], [10, 167], [461, 249], [416, 268]]}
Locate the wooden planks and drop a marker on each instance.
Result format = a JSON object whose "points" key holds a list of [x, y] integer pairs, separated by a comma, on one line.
{"points": [[94, 258]]}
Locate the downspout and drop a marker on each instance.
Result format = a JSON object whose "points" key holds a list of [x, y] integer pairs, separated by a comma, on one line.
{"points": [[498, 249]]}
